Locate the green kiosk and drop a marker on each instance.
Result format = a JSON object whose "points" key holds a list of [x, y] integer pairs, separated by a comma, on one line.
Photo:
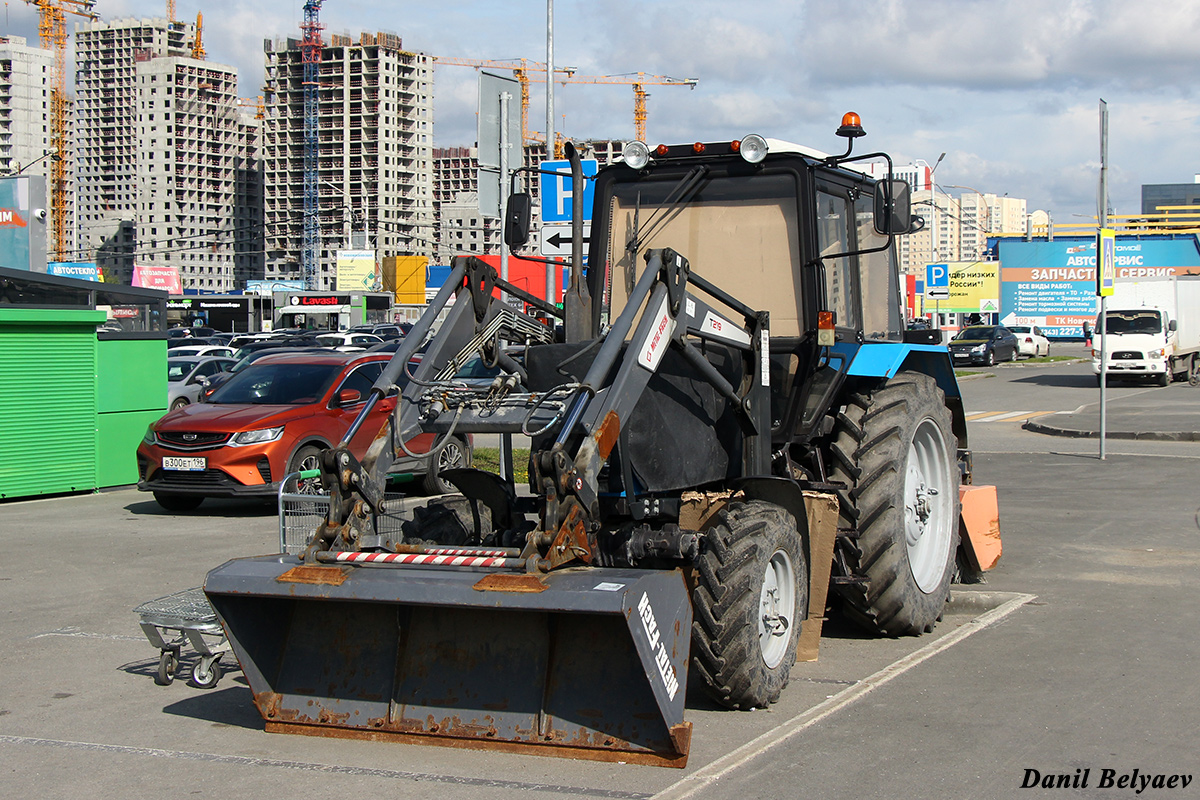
{"points": [[82, 373]]}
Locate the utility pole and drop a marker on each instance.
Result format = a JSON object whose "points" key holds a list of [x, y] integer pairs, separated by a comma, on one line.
{"points": [[551, 283], [1102, 217]]}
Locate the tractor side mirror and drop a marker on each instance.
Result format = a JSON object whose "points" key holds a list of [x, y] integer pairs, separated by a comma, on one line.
{"points": [[893, 209], [517, 219]]}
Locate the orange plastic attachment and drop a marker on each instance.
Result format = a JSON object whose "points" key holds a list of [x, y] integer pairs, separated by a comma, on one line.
{"points": [[698, 147], [660, 151], [850, 119], [735, 145], [980, 526]]}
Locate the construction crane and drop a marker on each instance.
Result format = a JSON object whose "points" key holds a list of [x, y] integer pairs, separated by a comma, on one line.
{"points": [[521, 68], [170, 10], [53, 32], [310, 48], [639, 80], [198, 45]]}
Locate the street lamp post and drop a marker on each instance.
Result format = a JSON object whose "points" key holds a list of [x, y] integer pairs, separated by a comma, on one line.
{"points": [[933, 232]]}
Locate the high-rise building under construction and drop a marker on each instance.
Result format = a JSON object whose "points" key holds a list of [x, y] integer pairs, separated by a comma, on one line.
{"points": [[374, 160], [165, 158]]}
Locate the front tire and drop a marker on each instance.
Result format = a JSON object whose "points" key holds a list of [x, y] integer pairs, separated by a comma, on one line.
{"points": [[749, 600], [893, 447], [453, 455], [305, 459]]}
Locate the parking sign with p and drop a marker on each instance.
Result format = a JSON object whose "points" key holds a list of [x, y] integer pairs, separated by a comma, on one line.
{"points": [[937, 281]]}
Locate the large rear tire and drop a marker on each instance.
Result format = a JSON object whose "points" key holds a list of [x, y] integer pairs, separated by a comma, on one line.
{"points": [[750, 597], [894, 449]]}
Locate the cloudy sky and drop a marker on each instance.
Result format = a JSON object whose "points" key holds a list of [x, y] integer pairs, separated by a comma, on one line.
{"points": [[1008, 89]]}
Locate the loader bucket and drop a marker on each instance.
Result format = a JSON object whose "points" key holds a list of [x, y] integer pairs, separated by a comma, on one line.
{"points": [[586, 663]]}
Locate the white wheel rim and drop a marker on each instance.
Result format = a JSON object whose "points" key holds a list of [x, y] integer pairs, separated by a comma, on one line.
{"points": [[928, 505], [776, 607]]}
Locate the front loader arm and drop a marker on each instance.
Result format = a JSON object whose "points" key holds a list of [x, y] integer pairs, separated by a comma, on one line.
{"points": [[669, 314], [475, 324]]}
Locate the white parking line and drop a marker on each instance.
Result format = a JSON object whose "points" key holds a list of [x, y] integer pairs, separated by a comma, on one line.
{"points": [[702, 778]]}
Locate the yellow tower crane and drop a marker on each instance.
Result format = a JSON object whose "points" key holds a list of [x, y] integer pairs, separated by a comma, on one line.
{"points": [[53, 32], [521, 68], [198, 45], [639, 81]]}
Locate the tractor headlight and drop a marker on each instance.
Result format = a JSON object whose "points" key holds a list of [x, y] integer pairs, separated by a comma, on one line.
{"points": [[636, 154], [753, 148], [260, 436]]}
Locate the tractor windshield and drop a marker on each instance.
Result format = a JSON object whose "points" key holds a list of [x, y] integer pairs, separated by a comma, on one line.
{"points": [[739, 232], [742, 233]]}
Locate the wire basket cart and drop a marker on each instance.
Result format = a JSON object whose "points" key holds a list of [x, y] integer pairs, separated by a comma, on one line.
{"points": [[179, 619], [303, 507]]}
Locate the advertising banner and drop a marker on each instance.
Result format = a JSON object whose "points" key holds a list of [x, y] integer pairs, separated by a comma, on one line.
{"points": [[356, 271], [1052, 284], [81, 270], [973, 288], [164, 278]]}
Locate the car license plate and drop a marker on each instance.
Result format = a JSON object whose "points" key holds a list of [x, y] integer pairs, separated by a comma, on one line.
{"points": [[185, 464], [962, 355]]}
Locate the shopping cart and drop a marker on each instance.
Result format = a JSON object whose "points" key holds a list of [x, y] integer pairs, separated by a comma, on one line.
{"points": [[184, 618], [303, 507]]}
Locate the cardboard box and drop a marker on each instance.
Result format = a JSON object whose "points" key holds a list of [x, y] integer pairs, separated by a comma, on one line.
{"points": [[822, 530]]}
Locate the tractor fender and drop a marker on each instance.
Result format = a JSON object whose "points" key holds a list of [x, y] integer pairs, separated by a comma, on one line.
{"points": [[885, 359]]}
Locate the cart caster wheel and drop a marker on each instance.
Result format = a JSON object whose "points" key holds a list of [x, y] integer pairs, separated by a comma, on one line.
{"points": [[168, 664], [205, 678]]}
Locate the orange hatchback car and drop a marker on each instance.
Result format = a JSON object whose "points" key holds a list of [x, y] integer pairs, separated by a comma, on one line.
{"points": [[270, 420]]}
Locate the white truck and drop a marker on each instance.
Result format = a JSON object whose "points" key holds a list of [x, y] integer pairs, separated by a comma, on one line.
{"points": [[1153, 330]]}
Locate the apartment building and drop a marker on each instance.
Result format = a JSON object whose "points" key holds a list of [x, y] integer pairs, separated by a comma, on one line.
{"points": [[26, 143], [461, 228], [195, 187], [374, 157]]}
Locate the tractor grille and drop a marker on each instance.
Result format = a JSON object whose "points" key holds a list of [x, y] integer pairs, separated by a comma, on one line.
{"points": [[187, 440], [1126, 355]]}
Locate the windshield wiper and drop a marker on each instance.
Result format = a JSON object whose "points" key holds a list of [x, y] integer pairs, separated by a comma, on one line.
{"points": [[678, 194]]}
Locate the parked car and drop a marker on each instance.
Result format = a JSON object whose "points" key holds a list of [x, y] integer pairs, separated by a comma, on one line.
{"points": [[189, 341], [201, 350], [983, 344], [296, 340], [272, 419], [382, 330], [216, 381], [188, 375], [350, 341], [1031, 341]]}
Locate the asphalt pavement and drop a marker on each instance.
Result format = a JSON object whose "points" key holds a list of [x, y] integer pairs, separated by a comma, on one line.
{"points": [[1172, 417]]}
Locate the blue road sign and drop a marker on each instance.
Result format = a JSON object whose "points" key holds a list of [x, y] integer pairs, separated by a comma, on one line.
{"points": [[937, 275], [556, 190]]}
